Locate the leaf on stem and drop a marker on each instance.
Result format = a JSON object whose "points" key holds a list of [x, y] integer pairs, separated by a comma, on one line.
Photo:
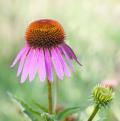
{"points": [[24, 107], [67, 112], [40, 106]]}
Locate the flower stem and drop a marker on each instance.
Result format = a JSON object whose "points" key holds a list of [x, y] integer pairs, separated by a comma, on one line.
{"points": [[94, 112], [50, 110]]}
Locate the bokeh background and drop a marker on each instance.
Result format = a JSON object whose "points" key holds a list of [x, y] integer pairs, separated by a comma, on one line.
{"points": [[93, 31]]}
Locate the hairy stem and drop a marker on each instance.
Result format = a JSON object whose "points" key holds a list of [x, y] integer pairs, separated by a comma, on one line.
{"points": [[50, 97], [96, 109]]}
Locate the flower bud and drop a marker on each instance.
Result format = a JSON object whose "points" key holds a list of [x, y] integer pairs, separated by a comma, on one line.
{"points": [[102, 95]]}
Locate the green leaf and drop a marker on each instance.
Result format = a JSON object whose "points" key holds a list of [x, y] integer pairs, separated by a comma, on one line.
{"points": [[30, 116], [40, 106], [24, 107], [67, 112]]}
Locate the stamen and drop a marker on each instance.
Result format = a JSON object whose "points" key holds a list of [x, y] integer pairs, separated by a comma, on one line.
{"points": [[45, 33]]}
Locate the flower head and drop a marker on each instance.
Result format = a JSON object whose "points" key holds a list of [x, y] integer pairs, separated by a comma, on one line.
{"points": [[102, 95], [44, 52], [45, 33], [110, 83]]}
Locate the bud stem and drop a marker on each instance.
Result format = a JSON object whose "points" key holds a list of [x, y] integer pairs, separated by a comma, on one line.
{"points": [[49, 97], [96, 109]]}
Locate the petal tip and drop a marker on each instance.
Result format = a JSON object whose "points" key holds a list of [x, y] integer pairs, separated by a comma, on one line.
{"points": [[21, 81], [79, 63]]}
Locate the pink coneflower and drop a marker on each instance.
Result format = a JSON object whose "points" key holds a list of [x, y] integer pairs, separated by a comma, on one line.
{"points": [[44, 52], [110, 83]]}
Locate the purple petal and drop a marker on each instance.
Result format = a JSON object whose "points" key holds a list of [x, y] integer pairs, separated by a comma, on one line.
{"points": [[64, 64], [41, 64], [26, 67], [57, 64], [49, 68], [18, 56], [33, 65], [71, 53], [67, 57], [22, 60]]}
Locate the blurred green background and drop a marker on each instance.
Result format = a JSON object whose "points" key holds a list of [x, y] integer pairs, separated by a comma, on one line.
{"points": [[93, 31]]}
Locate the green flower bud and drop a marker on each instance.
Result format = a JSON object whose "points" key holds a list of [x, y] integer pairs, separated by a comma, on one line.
{"points": [[102, 95]]}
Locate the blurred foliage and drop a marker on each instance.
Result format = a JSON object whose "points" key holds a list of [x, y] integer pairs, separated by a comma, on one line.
{"points": [[93, 31]]}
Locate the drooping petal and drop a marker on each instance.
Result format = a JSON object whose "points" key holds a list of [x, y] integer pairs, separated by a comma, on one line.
{"points": [[22, 60], [66, 56], [48, 62], [64, 64], [71, 53], [25, 71], [41, 64], [18, 56], [33, 65], [57, 63]]}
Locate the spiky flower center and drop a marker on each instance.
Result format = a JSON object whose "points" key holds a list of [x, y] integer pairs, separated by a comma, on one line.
{"points": [[102, 95], [45, 33]]}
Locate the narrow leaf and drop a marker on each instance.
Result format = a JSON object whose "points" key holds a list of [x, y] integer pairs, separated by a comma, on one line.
{"points": [[67, 112], [25, 108], [40, 106]]}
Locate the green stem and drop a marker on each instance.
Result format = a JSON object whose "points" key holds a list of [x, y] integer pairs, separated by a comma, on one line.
{"points": [[50, 110], [94, 112]]}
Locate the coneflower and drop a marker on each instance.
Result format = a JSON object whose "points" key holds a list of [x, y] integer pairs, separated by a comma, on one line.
{"points": [[45, 51], [110, 83]]}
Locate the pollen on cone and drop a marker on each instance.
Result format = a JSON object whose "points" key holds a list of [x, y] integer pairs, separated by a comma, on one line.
{"points": [[45, 33]]}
